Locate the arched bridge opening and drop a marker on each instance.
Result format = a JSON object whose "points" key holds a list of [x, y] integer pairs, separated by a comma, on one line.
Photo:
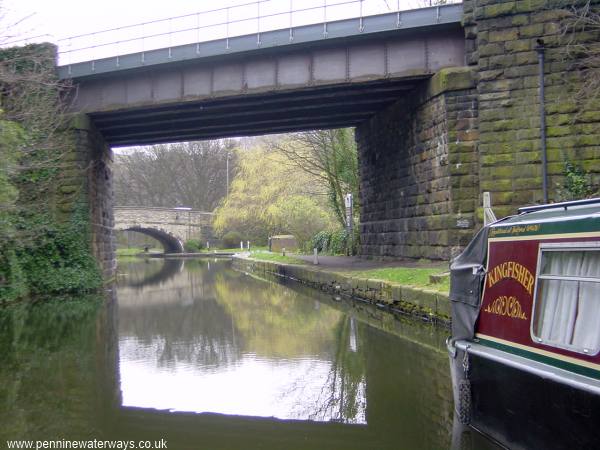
{"points": [[172, 227], [170, 243]]}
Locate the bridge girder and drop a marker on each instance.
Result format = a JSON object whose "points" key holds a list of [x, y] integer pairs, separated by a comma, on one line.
{"points": [[320, 82]]}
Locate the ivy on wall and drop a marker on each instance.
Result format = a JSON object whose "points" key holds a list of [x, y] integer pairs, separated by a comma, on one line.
{"points": [[41, 252]]}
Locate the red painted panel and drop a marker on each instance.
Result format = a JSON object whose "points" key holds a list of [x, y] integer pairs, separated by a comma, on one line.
{"points": [[506, 309], [508, 289]]}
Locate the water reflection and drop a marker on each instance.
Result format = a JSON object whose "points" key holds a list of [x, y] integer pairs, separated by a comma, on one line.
{"points": [[192, 337], [153, 271], [47, 378], [213, 340]]}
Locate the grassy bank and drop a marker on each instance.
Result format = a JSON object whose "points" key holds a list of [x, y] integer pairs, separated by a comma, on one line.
{"points": [[276, 257], [407, 276], [416, 275]]}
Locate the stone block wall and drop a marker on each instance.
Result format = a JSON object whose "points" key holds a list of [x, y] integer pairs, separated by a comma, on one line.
{"points": [[93, 161], [502, 36], [427, 160], [418, 171], [183, 225]]}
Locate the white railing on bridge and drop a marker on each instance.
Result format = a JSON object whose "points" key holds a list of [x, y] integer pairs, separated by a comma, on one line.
{"points": [[254, 17]]}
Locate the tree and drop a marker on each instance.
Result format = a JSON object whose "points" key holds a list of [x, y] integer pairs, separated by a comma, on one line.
{"points": [[269, 196], [186, 174], [581, 30], [330, 157], [299, 215]]}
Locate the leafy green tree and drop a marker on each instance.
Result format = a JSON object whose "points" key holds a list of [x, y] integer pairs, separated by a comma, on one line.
{"points": [[268, 196], [299, 215], [330, 157], [577, 184]]}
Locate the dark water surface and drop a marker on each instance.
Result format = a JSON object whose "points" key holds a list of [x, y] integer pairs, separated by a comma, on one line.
{"points": [[210, 358]]}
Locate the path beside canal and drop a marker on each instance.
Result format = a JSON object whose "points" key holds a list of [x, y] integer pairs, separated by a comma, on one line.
{"points": [[349, 276]]}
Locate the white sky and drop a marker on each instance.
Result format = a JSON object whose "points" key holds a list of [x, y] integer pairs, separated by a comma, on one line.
{"points": [[59, 19], [63, 18]]}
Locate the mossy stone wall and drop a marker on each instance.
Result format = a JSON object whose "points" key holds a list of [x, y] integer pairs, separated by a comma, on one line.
{"points": [[501, 39], [418, 171], [427, 160]]}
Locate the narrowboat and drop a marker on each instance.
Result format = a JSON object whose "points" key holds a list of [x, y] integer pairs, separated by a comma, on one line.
{"points": [[525, 344]]}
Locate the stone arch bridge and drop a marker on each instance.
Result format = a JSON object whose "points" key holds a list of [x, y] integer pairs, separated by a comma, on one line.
{"points": [[170, 226]]}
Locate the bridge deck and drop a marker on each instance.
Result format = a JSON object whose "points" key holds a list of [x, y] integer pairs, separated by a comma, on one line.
{"points": [[307, 35], [315, 81]]}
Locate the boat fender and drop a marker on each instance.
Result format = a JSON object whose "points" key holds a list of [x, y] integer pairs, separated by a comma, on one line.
{"points": [[464, 392]]}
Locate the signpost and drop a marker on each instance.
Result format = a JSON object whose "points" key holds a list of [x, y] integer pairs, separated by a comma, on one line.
{"points": [[349, 202]]}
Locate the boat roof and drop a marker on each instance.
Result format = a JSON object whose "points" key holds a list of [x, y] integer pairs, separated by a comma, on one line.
{"points": [[581, 216]]}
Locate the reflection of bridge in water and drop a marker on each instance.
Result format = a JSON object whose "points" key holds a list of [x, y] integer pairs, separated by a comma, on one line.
{"points": [[194, 318], [164, 270], [170, 226]]}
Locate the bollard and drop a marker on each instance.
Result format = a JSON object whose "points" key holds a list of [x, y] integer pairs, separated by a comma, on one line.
{"points": [[248, 243], [315, 256], [283, 251], [241, 245]]}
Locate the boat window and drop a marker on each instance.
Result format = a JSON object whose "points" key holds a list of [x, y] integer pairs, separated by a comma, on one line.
{"points": [[567, 305]]}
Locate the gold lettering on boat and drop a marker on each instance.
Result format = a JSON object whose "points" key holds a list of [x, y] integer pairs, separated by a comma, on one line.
{"points": [[514, 270], [506, 306], [514, 230]]}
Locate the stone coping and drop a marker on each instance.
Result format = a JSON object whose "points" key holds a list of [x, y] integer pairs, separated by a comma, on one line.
{"points": [[423, 303]]}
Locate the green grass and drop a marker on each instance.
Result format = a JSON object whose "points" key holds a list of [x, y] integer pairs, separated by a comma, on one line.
{"points": [[408, 276], [267, 256]]}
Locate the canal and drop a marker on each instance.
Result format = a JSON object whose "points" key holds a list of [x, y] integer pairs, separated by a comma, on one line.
{"points": [[206, 357]]}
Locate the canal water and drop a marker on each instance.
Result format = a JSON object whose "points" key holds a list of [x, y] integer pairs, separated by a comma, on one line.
{"points": [[206, 357]]}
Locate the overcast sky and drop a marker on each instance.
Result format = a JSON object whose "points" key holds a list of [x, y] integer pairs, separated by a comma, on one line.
{"points": [[58, 19], [63, 18]]}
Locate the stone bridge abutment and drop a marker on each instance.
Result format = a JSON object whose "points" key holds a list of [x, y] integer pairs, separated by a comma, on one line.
{"points": [[418, 171]]}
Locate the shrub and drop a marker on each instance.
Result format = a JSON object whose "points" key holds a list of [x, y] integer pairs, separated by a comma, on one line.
{"points": [[577, 183], [231, 239], [334, 242], [193, 245], [320, 241], [58, 259]]}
